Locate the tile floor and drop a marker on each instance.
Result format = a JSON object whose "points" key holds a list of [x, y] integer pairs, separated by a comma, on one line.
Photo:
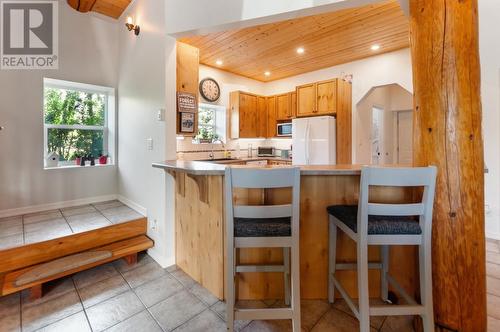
{"points": [[493, 284], [47, 225], [145, 297]]}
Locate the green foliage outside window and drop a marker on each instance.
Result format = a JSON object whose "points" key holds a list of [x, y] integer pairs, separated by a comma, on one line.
{"points": [[206, 125], [74, 108]]}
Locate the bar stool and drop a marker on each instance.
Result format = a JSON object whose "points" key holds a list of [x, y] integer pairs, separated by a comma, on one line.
{"points": [[386, 225], [263, 226]]}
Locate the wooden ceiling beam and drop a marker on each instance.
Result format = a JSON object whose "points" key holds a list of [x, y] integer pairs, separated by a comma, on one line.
{"points": [[111, 8]]}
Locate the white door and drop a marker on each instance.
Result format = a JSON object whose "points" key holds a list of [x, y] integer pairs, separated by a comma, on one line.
{"points": [[376, 134], [405, 137]]}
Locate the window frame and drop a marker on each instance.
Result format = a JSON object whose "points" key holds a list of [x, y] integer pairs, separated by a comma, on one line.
{"points": [[109, 143], [219, 124], [213, 110]]}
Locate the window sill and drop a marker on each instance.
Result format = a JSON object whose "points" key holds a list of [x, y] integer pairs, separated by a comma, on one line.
{"points": [[77, 166]]}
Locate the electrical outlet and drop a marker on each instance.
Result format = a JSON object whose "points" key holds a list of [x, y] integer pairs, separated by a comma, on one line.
{"points": [[487, 209], [154, 225]]}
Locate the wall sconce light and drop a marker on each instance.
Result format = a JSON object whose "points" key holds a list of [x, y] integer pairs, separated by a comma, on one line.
{"points": [[131, 26]]}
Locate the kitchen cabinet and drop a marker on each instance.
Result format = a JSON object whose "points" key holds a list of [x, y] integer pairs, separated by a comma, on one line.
{"points": [[257, 162], [271, 116], [306, 100], [318, 98], [279, 162], [243, 115], [283, 107], [262, 116], [326, 97], [293, 104], [187, 75], [286, 105]]}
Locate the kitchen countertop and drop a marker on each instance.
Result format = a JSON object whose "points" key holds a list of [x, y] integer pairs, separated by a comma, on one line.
{"points": [[214, 168]]}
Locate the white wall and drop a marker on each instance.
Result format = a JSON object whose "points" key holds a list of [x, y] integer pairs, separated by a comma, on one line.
{"points": [[384, 69], [142, 88], [230, 82], [489, 50], [87, 54]]}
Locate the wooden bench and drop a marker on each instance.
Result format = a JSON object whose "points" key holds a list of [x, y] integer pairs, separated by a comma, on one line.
{"points": [[32, 265]]}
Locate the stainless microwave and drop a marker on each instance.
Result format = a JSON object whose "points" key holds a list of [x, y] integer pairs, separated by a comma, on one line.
{"points": [[284, 129]]}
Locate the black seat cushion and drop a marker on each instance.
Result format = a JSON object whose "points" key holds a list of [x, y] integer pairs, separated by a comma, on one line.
{"points": [[348, 214], [250, 227]]}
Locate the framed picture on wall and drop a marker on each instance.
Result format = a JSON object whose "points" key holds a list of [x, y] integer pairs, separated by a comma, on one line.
{"points": [[187, 122]]}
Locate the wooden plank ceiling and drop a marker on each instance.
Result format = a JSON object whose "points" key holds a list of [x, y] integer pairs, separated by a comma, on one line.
{"points": [[328, 39], [111, 8]]}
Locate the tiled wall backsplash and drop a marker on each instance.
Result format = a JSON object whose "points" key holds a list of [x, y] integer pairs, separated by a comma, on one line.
{"points": [[188, 150]]}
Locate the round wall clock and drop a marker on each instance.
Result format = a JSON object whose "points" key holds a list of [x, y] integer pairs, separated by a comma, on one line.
{"points": [[209, 89]]}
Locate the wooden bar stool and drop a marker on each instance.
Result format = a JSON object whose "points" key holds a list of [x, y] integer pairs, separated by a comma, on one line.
{"points": [[386, 225], [263, 226]]}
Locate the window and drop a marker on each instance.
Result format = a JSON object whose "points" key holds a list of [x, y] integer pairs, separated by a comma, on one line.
{"points": [[77, 120], [211, 123]]}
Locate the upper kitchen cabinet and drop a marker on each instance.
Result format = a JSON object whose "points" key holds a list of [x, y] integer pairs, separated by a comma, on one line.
{"points": [[293, 104], [320, 98], [326, 97], [306, 100], [282, 107], [187, 76], [286, 105], [244, 115], [262, 116], [271, 116]]}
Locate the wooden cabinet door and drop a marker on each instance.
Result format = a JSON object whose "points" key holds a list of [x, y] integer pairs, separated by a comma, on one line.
{"points": [[306, 100], [282, 107], [262, 116], [326, 97], [271, 116], [292, 110], [248, 116]]}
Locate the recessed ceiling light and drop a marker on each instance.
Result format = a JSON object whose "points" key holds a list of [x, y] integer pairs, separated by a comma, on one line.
{"points": [[375, 47], [300, 50], [267, 73], [219, 62]]}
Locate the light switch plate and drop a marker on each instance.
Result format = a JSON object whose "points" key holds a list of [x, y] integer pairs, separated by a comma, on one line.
{"points": [[149, 142], [161, 114]]}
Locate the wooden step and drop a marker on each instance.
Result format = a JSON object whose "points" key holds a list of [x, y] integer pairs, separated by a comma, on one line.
{"points": [[36, 253], [28, 277]]}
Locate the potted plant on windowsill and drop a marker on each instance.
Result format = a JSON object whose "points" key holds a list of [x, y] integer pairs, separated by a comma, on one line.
{"points": [[103, 159], [206, 136]]}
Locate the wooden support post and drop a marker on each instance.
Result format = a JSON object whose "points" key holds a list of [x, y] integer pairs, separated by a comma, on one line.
{"points": [[36, 292], [447, 133], [131, 259]]}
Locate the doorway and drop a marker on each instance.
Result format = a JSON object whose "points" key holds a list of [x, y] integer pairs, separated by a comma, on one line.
{"points": [[384, 126]]}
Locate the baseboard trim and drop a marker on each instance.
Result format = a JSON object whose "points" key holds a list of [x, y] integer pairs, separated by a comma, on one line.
{"points": [[160, 259], [57, 205], [139, 208]]}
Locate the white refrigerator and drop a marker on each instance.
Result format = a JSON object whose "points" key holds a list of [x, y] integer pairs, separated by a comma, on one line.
{"points": [[314, 141]]}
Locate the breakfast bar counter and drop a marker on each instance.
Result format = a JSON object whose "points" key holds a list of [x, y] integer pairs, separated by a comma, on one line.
{"points": [[200, 230]]}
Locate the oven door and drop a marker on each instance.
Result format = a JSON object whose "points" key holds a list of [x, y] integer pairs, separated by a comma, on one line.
{"points": [[284, 129]]}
